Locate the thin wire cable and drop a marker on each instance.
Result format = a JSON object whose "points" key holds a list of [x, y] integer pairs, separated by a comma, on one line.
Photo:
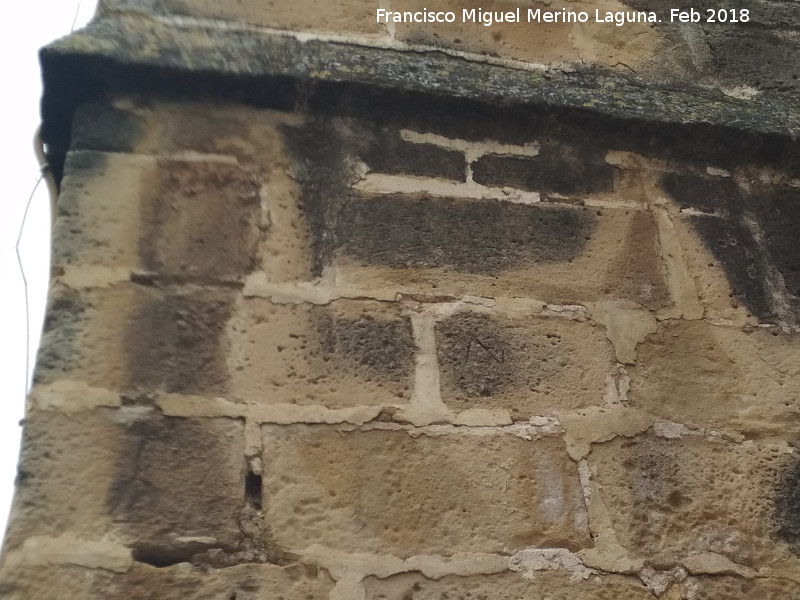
{"points": [[25, 284], [44, 174], [75, 20], [44, 168]]}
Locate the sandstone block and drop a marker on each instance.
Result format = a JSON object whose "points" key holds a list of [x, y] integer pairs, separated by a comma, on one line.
{"points": [[250, 135], [669, 499], [553, 586], [554, 253], [136, 338], [117, 216], [751, 233], [554, 43], [142, 582], [131, 476], [189, 220], [527, 366], [558, 168], [348, 353], [387, 152], [351, 17], [74, 582], [737, 588], [720, 296], [720, 378], [387, 492]]}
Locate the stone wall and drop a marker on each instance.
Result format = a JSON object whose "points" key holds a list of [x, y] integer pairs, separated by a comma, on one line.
{"points": [[743, 53], [357, 342]]}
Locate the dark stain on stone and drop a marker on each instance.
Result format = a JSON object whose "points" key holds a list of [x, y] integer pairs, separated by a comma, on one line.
{"points": [[174, 343], [84, 164], [558, 169], [200, 221], [59, 349], [160, 501], [732, 244], [384, 346], [780, 220], [583, 129], [450, 117], [636, 273], [787, 506], [760, 58], [749, 260], [481, 356], [480, 237], [707, 194], [386, 152], [99, 126], [319, 165], [71, 225]]}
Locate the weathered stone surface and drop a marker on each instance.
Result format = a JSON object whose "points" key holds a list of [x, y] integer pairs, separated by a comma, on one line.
{"points": [[135, 212], [124, 124], [97, 220], [715, 291], [737, 50], [132, 475], [136, 338], [751, 232], [555, 586], [386, 152], [334, 203], [389, 492], [558, 168], [720, 378], [199, 221], [758, 58], [349, 17], [190, 220], [527, 366], [134, 41], [106, 128], [552, 253], [348, 353], [669, 499], [50, 582], [481, 238], [787, 505], [174, 342], [552, 43], [737, 588], [245, 582]]}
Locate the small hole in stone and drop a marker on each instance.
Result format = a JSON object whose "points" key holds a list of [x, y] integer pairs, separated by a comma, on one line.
{"points": [[252, 490]]}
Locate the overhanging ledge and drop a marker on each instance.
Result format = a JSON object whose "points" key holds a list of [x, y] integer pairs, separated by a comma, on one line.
{"points": [[140, 53]]}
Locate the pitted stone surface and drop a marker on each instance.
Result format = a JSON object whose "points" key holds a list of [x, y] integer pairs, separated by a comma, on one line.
{"points": [[388, 492], [245, 582], [527, 366], [669, 499], [719, 378], [559, 586], [170, 218], [737, 588], [436, 313], [347, 353], [137, 339], [105, 473]]}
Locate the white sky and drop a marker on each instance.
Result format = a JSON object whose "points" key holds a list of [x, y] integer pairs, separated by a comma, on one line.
{"points": [[29, 25]]}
